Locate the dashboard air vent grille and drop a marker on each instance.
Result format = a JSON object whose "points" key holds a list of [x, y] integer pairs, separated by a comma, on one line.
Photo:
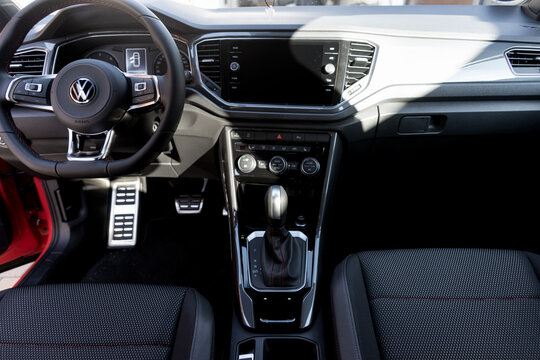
{"points": [[359, 62], [524, 61], [27, 63], [208, 54]]}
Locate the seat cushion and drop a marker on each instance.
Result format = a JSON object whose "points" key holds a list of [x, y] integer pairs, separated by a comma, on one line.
{"points": [[104, 321], [438, 304]]}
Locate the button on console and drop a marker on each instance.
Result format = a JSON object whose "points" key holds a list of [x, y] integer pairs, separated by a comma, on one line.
{"points": [[277, 165], [247, 163], [310, 166]]}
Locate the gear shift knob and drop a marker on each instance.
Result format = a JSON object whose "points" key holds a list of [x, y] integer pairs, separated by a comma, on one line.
{"points": [[276, 201]]}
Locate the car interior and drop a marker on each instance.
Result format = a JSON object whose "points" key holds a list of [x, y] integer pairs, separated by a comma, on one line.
{"points": [[269, 182]]}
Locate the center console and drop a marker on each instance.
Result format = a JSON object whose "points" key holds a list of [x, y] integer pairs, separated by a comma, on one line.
{"points": [[277, 186]]}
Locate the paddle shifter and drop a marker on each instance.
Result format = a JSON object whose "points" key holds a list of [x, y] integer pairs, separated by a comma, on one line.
{"points": [[282, 255]]}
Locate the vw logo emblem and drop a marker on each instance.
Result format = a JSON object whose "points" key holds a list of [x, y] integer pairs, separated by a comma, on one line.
{"points": [[82, 91]]}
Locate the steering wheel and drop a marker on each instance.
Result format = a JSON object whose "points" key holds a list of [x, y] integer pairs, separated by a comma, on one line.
{"points": [[90, 97]]}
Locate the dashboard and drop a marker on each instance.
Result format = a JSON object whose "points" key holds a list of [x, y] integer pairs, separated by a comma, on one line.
{"points": [[367, 73]]}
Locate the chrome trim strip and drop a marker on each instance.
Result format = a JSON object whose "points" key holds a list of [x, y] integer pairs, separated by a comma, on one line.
{"points": [[110, 136], [309, 299], [286, 321], [244, 300]]}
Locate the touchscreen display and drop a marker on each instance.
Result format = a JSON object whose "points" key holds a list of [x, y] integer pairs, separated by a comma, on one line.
{"points": [[274, 72]]}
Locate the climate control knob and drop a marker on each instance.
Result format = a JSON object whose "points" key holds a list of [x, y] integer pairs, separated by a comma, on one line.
{"points": [[277, 165], [310, 166], [247, 163]]}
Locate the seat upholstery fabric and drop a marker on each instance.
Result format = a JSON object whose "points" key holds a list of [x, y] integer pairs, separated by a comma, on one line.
{"points": [[104, 321], [438, 304]]}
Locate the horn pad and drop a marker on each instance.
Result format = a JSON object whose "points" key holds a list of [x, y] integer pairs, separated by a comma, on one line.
{"points": [[90, 96]]}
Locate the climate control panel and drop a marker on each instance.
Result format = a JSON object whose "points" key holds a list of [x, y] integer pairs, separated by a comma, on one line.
{"points": [[271, 155]]}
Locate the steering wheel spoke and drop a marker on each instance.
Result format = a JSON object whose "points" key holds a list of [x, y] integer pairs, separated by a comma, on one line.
{"points": [[31, 92], [144, 91], [90, 147]]}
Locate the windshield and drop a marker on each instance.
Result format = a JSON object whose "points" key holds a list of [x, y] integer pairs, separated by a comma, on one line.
{"points": [[214, 4]]}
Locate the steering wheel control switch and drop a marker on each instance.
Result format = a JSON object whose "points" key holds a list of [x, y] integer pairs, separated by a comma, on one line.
{"points": [[32, 90], [124, 212]]}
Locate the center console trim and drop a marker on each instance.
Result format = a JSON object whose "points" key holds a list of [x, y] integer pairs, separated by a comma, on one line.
{"points": [[231, 187]]}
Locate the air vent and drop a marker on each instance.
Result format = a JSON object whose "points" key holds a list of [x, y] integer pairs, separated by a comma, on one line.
{"points": [[358, 62], [524, 61], [208, 53], [27, 63]]}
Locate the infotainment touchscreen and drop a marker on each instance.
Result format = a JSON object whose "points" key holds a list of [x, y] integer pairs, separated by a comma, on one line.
{"points": [[272, 71]]}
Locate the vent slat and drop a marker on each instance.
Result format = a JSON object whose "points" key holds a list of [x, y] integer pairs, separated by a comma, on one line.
{"points": [[359, 61], [208, 54], [28, 63]]}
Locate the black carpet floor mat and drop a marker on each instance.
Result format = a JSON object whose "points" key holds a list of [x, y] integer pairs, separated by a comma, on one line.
{"points": [[186, 251]]}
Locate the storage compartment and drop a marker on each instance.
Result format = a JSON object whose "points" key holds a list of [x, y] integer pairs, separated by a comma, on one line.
{"points": [[290, 348]]}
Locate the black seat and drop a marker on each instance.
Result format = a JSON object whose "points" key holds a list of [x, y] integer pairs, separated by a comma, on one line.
{"points": [[99, 321], [437, 304]]}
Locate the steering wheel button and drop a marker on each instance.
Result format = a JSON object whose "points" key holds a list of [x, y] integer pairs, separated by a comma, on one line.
{"points": [[20, 89], [142, 99]]}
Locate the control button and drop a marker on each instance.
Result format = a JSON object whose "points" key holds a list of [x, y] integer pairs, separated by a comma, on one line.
{"points": [[331, 48], [329, 69], [328, 90], [235, 135], [247, 163], [311, 138], [241, 146], [299, 137], [142, 87], [278, 136], [310, 166], [277, 165], [328, 80], [323, 138], [20, 89], [293, 166], [330, 58], [234, 66], [262, 164]]}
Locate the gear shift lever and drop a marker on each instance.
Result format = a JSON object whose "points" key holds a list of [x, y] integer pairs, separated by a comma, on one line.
{"points": [[283, 256], [276, 202]]}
